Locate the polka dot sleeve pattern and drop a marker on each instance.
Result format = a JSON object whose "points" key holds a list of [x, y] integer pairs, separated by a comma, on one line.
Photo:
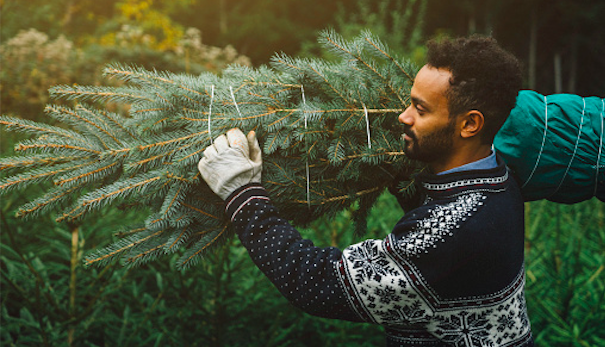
{"points": [[306, 275]]}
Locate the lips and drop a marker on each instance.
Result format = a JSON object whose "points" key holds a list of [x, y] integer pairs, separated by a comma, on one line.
{"points": [[407, 136]]}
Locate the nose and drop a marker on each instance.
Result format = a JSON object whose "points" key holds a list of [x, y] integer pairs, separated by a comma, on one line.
{"points": [[406, 116]]}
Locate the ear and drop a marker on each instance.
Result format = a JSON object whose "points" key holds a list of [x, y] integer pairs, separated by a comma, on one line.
{"points": [[471, 123]]}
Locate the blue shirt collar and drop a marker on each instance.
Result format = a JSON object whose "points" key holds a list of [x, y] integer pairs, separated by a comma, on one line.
{"points": [[488, 162]]}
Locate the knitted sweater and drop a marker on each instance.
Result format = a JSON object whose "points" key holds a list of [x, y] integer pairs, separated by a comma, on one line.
{"points": [[449, 274]]}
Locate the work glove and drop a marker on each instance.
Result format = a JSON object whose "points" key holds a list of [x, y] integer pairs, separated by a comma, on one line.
{"points": [[232, 161]]}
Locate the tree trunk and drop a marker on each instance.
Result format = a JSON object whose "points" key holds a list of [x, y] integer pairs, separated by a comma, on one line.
{"points": [[558, 74], [571, 83], [70, 8], [223, 17], [489, 26], [533, 43], [472, 24], [72, 281]]}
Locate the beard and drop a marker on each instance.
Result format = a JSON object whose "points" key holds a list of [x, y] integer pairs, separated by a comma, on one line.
{"points": [[432, 146]]}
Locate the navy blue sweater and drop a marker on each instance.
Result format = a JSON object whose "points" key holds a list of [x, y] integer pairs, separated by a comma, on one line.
{"points": [[449, 274]]}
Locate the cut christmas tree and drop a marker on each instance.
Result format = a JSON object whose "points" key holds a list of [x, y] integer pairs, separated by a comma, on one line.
{"points": [[328, 130]]}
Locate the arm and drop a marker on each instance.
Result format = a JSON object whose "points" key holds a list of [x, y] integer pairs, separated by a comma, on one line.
{"points": [[362, 283]]}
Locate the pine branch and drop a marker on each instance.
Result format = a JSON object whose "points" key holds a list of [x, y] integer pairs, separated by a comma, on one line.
{"points": [[34, 161], [106, 94], [207, 239], [39, 175], [50, 201], [332, 39], [103, 257], [35, 128], [119, 190], [90, 173], [87, 124], [135, 74], [383, 50]]}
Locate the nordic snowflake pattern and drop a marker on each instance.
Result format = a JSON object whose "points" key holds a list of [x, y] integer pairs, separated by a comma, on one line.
{"points": [[384, 286], [441, 223]]}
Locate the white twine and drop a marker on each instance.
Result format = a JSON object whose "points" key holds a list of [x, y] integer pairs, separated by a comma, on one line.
{"points": [[302, 90], [210, 113], [365, 110], [235, 102], [575, 148], [596, 179], [543, 141]]}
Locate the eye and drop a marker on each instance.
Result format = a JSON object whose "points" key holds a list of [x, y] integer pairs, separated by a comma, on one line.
{"points": [[419, 109]]}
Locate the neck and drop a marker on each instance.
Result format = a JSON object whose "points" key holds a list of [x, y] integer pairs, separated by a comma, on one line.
{"points": [[461, 157]]}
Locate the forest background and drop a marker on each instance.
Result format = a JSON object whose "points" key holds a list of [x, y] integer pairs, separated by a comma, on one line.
{"points": [[49, 299]]}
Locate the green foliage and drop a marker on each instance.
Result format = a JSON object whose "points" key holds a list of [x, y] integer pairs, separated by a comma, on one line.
{"points": [[565, 279], [226, 301], [258, 28], [339, 117], [49, 299], [401, 23]]}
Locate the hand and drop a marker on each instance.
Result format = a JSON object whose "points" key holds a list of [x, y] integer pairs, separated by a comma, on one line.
{"points": [[231, 161], [406, 189]]}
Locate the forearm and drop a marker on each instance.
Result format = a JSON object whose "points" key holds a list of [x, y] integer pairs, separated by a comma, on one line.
{"points": [[304, 274]]}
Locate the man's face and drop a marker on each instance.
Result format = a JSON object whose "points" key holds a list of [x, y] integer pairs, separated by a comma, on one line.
{"points": [[428, 129]]}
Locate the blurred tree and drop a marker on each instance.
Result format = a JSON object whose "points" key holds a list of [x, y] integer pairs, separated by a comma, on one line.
{"points": [[537, 31], [399, 23], [49, 299], [74, 19], [259, 28], [565, 273], [581, 43], [566, 31], [36, 63]]}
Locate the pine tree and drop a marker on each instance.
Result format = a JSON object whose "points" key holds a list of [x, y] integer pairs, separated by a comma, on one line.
{"points": [[328, 130]]}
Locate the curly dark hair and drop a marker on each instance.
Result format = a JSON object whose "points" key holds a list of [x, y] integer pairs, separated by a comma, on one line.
{"points": [[485, 77]]}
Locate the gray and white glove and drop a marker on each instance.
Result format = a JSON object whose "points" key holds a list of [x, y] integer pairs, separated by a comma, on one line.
{"points": [[232, 161]]}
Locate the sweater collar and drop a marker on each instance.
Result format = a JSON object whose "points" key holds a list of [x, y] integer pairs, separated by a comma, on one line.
{"points": [[450, 184]]}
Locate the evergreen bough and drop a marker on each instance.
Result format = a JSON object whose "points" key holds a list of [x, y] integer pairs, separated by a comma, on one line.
{"points": [[328, 129]]}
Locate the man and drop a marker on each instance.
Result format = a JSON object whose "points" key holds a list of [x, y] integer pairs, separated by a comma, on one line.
{"points": [[451, 271]]}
